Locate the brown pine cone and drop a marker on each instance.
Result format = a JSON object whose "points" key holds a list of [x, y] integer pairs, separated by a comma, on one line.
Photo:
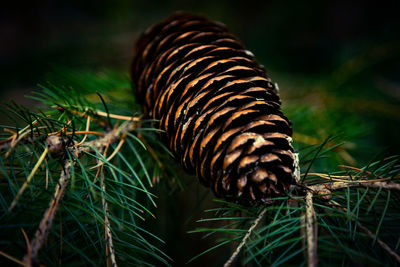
{"points": [[219, 110]]}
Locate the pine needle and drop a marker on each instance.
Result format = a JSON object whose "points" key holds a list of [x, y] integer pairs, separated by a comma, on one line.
{"points": [[87, 130], [28, 180], [11, 258]]}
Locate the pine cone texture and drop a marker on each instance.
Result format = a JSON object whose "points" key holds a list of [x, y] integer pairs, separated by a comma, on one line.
{"points": [[219, 110]]}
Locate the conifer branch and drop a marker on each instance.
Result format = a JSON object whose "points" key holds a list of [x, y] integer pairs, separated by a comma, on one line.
{"points": [[54, 137], [48, 217]]}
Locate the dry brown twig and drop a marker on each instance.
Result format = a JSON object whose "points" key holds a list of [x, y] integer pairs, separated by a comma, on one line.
{"points": [[105, 114], [311, 231], [110, 253], [373, 236], [23, 135], [380, 242], [48, 217], [322, 188], [45, 224], [243, 242]]}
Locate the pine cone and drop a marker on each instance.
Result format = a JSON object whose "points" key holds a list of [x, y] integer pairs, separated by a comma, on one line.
{"points": [[219, 110]]}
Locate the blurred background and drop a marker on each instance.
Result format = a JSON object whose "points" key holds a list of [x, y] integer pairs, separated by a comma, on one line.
{"points": [[337, 64], [347, 50]]}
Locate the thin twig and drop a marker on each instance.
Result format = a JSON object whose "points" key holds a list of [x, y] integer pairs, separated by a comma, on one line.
{"points": [[239, 248], [347, 178], [48, 217], [380, 242], [110, 137], [339, 185], [47, 174], [108, 235], [17, 134], [16, 138], [11, 144], [14, 141], [29, 179], [374, 237], [311, 231]]}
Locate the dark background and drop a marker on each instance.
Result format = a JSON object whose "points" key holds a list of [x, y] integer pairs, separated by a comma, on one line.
{"points": [[296, 37], [341, 57], [346, 52]]}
